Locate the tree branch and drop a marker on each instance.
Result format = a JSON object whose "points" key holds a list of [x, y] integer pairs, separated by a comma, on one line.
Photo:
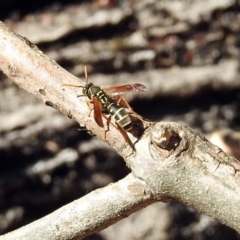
{"points": [[171, 161], [92, 213]]}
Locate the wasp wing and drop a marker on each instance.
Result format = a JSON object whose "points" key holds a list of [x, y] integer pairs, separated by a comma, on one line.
{"points": [[97, 112], [135, 87]]}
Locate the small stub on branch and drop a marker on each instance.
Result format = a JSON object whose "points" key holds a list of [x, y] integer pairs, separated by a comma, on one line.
{"points": [[51, 104], [42, 91], [165, 138]]}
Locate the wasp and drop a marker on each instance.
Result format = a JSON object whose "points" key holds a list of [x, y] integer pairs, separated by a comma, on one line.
{"points": [[108, 101]]}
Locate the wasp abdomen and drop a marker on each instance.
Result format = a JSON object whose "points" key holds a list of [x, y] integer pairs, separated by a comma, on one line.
{"points": [[121, 116]]}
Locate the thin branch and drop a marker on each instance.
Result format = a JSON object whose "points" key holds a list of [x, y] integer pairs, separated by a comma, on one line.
{"points": [[92, 213]]}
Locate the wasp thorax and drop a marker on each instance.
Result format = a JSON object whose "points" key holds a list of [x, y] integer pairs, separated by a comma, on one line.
{"points": [[86, 89], [94, 90]]}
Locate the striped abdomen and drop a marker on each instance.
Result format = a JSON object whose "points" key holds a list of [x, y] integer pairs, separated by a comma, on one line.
{"points": [[120, 115]]}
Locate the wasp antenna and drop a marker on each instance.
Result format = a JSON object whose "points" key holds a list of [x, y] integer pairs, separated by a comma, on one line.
{"points": [[70, 85], [86, 75]]}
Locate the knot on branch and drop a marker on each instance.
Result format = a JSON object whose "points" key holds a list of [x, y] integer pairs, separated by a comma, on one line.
{"points": [[165, 138]]}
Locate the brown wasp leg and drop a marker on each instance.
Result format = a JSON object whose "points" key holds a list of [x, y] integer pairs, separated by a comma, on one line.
{"points": [[98, 116], [108, 119], [120, 129], [104, 134], [125, 136], [89, 103], [123, 102]]}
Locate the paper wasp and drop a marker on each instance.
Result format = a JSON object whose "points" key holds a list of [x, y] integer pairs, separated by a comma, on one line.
{"points": [[108, 101]]}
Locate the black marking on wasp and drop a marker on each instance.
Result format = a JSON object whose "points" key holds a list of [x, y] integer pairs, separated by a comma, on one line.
{"points": [[104, 102]]}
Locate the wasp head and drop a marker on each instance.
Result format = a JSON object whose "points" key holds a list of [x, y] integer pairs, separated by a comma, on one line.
{"points": [[86, 88]]}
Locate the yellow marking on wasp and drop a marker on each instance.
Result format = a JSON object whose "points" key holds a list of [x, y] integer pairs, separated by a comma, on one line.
{"points": [[118, 112], [100, 92], [123, 126], [109, 108], [123, 118]]}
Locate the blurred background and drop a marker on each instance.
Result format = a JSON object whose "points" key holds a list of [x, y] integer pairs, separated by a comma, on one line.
{"points": [[185, 52]]}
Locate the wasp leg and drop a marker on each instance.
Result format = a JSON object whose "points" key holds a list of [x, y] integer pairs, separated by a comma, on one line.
{"points": [[121, 100], [104, 135], [108, 119], [137, 116], [121, 130], [124, 103], [89, 103], [125, 136]]}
